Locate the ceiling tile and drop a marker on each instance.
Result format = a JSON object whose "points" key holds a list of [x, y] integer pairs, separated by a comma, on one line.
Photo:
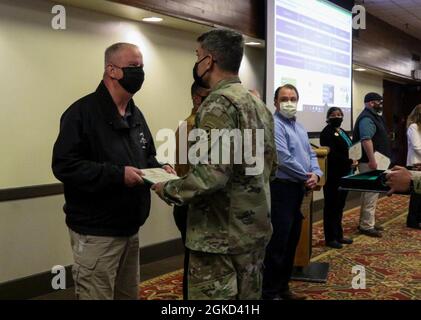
{"points": [[398, 13]]}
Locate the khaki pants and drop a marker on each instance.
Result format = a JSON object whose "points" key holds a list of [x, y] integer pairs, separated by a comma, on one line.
{"points": [[225, 277], [368, 204], [105, 268]]}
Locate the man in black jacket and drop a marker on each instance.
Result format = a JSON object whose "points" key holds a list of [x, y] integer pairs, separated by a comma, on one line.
{"points": [[103, 144]]}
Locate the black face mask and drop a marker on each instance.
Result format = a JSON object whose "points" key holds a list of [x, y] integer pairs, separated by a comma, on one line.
{"points": [[335, 122], [378, 107], [133, 78], [199, 79]]}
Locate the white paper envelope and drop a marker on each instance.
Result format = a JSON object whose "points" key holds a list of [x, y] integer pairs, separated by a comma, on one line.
{"points": [[383, 162], [355, 152], [157, 175]]}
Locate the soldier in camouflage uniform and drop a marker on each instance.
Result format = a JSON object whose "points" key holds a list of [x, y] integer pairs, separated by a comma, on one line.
{"points": [[228, 224]]}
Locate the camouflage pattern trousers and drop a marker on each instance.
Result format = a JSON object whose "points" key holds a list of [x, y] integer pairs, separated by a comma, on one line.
{"points": [[225, 277]]}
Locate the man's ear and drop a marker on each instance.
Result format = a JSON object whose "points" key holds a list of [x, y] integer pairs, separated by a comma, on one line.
{"points": [[212, 60], [111, 71], [108, 68]]}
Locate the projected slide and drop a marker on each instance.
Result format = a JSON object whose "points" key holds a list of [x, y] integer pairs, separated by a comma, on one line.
{"points": [[310, 46]]}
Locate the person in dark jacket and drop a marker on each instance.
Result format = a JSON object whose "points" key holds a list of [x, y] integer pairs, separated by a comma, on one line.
{"points": [[370, 129], [338, 165], [102, 147]]}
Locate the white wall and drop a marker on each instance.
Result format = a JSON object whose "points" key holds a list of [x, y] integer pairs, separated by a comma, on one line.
{"points": [[33, 237], [364, 83], [252, 71], [44, 71]]}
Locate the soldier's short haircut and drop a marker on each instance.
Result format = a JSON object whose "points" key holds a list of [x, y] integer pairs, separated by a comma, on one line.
{"points": [[226, 47], [111, 51], [286, 86]]}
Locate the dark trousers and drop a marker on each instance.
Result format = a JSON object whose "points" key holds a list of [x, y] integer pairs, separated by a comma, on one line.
{"points": [[180, 218], [414, 213], [333, 210], [286, 219]]}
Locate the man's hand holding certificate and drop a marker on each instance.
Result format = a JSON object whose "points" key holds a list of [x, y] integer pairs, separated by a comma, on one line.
{"points": [[158, 175]]}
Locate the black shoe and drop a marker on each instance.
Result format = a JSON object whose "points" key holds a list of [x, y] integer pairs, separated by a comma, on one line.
{"points": [[371, 233], [376, 227], [288, 295], [346, 241], [415, 226], [265, 297], [334, 244]]}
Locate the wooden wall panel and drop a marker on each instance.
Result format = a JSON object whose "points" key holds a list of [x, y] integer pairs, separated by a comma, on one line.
{"points": [[380, 46], [246, 16], [387, 48]]}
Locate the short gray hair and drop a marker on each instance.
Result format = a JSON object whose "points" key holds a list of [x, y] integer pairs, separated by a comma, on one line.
{"points": [[112, 50], [226, 47]]}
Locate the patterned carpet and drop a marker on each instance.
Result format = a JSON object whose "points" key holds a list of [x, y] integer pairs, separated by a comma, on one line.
{"points": [[392, 263]]}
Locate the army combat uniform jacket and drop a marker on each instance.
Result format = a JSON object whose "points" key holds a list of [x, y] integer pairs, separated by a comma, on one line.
{"points": [[229, 211], [417, 182]]}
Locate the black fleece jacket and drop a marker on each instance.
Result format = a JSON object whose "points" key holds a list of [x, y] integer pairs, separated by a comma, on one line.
{"points": [[94, 145]]}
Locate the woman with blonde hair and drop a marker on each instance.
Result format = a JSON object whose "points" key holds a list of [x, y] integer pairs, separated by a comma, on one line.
{"points": [[414, 161]]}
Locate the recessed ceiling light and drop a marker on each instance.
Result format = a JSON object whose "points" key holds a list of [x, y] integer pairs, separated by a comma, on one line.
{"points": [[152, 19], [360, 69], [253, 43]]}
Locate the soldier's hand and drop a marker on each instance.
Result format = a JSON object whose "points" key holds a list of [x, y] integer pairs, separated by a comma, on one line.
{"points": [[169, 169], [399, 180], [159, 189], [132, 176]]}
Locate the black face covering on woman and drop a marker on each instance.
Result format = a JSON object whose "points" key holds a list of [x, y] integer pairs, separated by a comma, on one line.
{"points": [[335, 122]]}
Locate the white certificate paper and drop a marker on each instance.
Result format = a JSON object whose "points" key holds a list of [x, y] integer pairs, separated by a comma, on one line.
{"points": [[157, 175], [383, 162], [355, 152]]}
